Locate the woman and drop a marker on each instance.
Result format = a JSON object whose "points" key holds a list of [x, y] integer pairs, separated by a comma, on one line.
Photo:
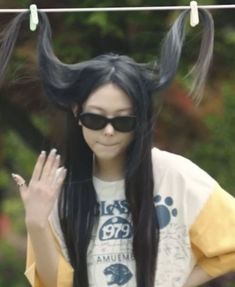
{"points": [[124, 213]]}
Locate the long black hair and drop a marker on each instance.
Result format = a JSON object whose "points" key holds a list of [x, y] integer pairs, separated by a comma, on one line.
{"points": [[69, 84]]}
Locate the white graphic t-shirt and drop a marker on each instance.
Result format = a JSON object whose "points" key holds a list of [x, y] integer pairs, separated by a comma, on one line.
{"points": [[189, 205]]}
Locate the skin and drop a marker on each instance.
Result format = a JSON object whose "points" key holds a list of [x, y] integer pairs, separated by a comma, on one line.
{"points": [[39, 196], [38, 199], [108, 145], [197, 277]]}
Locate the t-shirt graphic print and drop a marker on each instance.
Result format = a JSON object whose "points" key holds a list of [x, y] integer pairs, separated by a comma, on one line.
{"points": [[110, 256]]}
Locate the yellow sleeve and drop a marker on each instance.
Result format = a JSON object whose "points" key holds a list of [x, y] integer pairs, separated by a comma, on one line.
{"points": [[65, 270], [213, 234]]}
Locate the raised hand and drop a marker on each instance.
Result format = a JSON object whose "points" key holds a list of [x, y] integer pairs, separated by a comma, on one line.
{"points": [[42, 191]]}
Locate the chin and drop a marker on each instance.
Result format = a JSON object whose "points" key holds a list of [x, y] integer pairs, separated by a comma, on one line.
{"points": [[108, 155]]}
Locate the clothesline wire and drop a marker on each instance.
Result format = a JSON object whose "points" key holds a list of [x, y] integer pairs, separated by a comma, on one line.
{"points": [[115, 9]]}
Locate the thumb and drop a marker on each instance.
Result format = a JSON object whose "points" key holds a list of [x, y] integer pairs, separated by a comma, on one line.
{"points": [[20, 182]]}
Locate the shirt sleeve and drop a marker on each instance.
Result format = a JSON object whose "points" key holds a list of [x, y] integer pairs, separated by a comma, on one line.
{"points": [[65, 270], [213, 234]]}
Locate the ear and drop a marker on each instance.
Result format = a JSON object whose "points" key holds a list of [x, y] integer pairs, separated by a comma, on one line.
{"points": [[75, 110]]}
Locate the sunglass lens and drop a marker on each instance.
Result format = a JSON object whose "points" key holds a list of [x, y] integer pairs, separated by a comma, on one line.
{"points": [[125, 124], [92, 121]]}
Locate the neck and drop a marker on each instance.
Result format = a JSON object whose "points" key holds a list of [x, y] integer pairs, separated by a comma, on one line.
{"points": [[109, 170]]}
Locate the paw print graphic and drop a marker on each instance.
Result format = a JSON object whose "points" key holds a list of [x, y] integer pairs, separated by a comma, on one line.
{"points": [[165, 210]]}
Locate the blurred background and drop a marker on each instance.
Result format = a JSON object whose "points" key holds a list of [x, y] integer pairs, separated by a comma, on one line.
{"points": [[29, 124]]}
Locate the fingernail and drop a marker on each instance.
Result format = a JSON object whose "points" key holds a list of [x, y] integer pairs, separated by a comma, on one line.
{"points": [[58, 171], [53, 151], [14, 176], [43, 152]]}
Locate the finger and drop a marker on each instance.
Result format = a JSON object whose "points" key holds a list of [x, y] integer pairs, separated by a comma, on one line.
{"points": [[39, 166], [48, 165], [59, 179], [61, 174], [54, 169], [57, 175], [20, 182]]}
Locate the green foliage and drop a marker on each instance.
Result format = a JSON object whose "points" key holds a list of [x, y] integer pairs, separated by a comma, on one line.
{"points": [[24, 3], [20, 155], [103, 22], [4, 177], [217, 154], [11, 267], [41, 123], [13, 207]]}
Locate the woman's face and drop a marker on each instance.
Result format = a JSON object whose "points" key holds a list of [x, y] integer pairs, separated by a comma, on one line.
{"points": [[107, 143]]}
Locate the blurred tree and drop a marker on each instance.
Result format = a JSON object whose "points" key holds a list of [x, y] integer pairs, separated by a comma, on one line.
{"points": [[28, 123]]}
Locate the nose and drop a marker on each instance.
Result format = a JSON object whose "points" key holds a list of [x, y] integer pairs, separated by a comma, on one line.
{"points": [[109, 130]]}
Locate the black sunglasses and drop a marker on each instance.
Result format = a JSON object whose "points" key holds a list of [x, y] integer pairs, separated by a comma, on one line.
{"points": [[98, 122]]}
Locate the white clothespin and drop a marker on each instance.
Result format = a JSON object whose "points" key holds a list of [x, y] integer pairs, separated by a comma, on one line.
{"points": [[33, 18], [194, 17]]}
